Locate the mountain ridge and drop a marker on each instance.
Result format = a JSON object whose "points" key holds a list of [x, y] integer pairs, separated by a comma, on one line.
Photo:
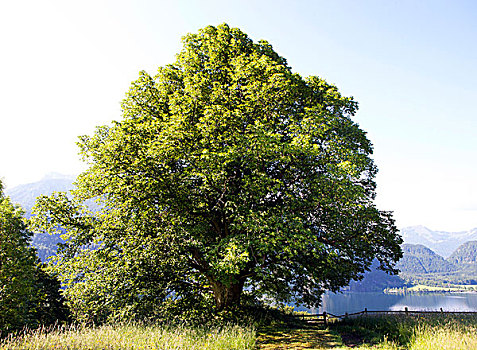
{"points": [[25, 194], [443, 243]]}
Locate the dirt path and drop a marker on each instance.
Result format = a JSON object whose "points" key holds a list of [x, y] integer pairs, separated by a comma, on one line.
{"points": [[307, 337], [352, 340]]}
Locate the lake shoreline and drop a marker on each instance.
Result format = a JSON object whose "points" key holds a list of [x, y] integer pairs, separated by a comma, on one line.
{"points": [[432, 289], [349, 302]]}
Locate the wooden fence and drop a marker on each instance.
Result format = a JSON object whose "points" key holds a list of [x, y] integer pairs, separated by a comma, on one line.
{"points": [[324, 317]]}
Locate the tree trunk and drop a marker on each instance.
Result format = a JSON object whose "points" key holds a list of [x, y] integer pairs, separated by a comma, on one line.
{"points": [[227, 295]]}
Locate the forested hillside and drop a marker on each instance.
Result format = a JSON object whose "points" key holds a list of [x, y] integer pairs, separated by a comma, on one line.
{"points": [[375, 280], [418, 259], [465, 258], [420, 265], [465, 255]]}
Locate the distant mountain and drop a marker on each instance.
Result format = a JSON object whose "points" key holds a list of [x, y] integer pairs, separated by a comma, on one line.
{"points": [[25, 195], [46, 245], [375, 280], [441, 242], [465, 255], [418, 259]]}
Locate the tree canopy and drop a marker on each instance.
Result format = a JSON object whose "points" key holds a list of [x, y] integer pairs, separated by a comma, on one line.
{"points": [[228, 174]]}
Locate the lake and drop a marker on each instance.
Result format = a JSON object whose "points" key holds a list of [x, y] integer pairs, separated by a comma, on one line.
{"points": [[339, 304]]}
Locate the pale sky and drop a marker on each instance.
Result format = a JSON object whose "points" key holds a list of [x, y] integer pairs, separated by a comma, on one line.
{"points": [[65, 66]]}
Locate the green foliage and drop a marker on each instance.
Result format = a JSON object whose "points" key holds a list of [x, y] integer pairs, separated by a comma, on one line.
{"points": [[228, 172], [47, 304], [28, 295]]}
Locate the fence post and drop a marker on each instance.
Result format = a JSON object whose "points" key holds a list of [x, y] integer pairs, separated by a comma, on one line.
{"points": [[442, 311], [406, 311], [365, 310], [324, 319], [346, 316]]}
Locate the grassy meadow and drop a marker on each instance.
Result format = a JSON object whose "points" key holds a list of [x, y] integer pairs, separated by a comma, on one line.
{"points": [[386, 333], [134, 337]]}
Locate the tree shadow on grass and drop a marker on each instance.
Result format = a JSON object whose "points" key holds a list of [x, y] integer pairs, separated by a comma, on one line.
{"points": [[303, 337]]}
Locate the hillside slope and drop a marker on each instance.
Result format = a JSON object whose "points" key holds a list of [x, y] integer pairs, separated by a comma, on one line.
{"points": [[465, 254], [418, 259], [465, 258]]}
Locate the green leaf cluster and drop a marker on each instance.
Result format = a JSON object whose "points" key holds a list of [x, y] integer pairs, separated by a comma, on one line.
{"points": [[228, 174]]}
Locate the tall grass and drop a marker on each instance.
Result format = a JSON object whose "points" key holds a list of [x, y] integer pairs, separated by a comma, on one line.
{"points": [[414, 333], [447, 336], [385, 333], [133, 337]]}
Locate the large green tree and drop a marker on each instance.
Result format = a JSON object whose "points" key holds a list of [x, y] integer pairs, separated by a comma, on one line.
{"points": [[228, 172]]}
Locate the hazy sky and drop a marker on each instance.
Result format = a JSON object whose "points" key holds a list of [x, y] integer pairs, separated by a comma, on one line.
{"points": [[412, 65]]}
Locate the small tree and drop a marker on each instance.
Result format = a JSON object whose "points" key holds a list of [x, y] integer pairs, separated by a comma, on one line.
{"points": [[17, 261], [227, 172], [28, 295]]}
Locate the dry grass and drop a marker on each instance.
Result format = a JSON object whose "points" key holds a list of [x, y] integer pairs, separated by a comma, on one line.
{"points": [[446, 337], [134, 337]]}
